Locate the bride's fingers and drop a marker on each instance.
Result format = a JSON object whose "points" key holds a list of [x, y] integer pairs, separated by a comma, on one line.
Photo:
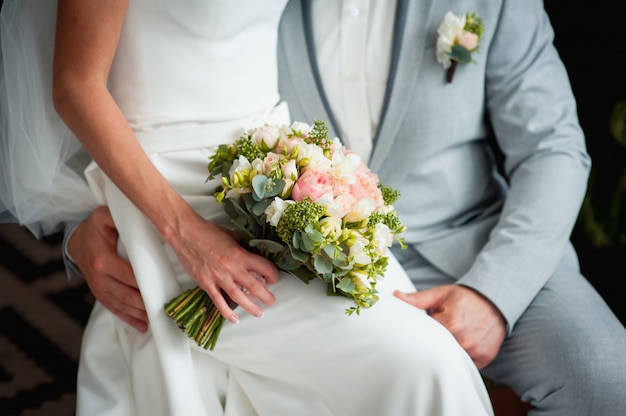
{"points": [[243, 297], [257, 289], [224, 306]]}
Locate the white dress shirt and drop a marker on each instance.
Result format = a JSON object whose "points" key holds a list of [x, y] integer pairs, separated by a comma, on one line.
{"points": [[354, 75]]}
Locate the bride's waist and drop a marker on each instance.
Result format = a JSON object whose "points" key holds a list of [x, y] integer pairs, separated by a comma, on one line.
{"points": [[186, 135]]}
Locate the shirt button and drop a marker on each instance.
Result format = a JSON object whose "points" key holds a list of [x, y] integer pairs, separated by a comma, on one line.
{"points": [[351, 78]]}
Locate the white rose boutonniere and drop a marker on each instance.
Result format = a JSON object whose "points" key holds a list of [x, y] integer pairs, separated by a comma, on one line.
{"points": [[459, 38]]}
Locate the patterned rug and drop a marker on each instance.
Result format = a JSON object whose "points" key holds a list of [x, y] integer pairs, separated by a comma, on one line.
{"points": [[42, 316]]}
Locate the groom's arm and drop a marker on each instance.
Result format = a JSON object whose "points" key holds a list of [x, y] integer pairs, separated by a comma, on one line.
{"points": [[90, 251], [533, 113]]}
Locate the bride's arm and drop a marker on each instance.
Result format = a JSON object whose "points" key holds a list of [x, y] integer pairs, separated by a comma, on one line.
{"points": [[87, 35]]}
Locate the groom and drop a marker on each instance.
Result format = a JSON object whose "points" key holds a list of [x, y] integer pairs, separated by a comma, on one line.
{"points": [[489, 252]]}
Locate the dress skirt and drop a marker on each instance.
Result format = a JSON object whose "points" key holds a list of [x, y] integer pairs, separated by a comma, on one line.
{"points": [[305, 356]]}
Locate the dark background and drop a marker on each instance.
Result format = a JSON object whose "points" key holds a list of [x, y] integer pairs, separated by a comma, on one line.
{"points": [[591, 37]]}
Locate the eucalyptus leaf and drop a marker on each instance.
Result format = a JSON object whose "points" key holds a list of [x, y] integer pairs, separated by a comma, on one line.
{"points": [[322, 264], [331, 251], [346, 284], [341, 262], [268, 246], [299, 255], [314, 235], [275, 189], [341, 272], [285, 265], [304, 274], [460, 54], [259, 208], [258, 186], [307, 243], [243, 231]]}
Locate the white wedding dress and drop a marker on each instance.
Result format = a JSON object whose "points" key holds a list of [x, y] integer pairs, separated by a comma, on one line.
{"points": [[190, 76]]}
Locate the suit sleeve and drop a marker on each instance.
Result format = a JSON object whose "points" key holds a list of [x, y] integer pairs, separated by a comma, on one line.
{"points": [[534, 118]]}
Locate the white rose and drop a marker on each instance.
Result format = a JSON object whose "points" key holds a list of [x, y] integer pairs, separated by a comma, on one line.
{"points": [[270, 162], [298, 126], [266, 137]]}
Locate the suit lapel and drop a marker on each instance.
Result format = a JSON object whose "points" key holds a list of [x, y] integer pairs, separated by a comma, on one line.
{"points": [[301, 63], [409, 45]]}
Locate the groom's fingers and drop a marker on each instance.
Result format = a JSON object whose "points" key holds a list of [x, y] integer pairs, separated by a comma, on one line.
{"points": [[425, 299], [125, 302]]}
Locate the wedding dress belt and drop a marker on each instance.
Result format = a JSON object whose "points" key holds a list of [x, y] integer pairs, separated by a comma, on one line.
{"points": [[187, 136]]}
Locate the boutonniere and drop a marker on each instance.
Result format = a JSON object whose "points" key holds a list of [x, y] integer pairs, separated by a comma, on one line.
{"points": [[459, 38]]}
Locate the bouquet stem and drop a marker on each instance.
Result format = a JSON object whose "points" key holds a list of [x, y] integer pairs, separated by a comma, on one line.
{"points": [[196, 315]]}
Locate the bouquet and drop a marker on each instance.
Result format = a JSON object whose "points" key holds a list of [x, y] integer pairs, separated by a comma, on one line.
{"points": [[310, 206]]}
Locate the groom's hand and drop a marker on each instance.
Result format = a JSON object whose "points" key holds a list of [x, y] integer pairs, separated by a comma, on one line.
{"points": [[474, 321], [93, 247]]}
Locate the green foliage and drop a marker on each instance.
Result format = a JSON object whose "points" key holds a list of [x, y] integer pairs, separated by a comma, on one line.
{"points": [[390, 195], [474, 24], [319, 136], [603, 212], [296, 217], [460, 54]]}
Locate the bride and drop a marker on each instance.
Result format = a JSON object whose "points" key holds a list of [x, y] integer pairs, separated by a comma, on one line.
{"points": [[149, 88]]}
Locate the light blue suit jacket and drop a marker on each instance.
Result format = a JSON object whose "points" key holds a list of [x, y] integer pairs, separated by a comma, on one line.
{"points": [[502, 235]]}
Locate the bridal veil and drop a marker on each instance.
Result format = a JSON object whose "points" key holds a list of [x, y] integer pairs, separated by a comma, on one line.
{"points": [[41, 162]]}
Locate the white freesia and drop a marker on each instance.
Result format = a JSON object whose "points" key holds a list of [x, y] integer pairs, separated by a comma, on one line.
{"points": [[314, 156], [345, 166], [286, 192], [239, 172], [330, 227], [290, 170], [383, 238], [358, 251], [360, 280], [258, 166], [275, 210], [361, 210], [338, 206], [385, 209]]}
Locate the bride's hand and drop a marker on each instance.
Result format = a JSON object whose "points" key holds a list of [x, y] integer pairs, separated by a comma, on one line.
{"points": [[213, 257]]}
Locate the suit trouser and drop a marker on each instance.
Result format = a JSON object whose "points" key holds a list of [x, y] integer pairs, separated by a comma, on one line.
{"points": [[566, 354]]}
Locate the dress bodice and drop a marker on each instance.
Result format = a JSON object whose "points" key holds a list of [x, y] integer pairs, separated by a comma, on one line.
{"points": [[191, 61]]}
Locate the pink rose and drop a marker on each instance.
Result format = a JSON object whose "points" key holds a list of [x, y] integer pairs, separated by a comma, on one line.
{"points": [[366, 186], [468, 40], [314, 184]]}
